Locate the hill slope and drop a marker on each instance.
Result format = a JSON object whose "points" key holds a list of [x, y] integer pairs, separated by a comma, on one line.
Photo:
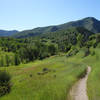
{"points": [[7, 33], [53, 85], [89, 23], [66, 37]]}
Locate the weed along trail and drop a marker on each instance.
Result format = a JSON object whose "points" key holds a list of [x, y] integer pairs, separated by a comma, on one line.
{"points": [[79, 90]]}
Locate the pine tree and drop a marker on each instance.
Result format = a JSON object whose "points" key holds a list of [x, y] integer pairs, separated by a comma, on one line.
{"points": [[17, 61], [7, 60], [1, 62]]}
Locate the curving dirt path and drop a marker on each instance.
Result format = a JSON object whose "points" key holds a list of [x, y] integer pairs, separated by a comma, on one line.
{"points": [[79, 90]]}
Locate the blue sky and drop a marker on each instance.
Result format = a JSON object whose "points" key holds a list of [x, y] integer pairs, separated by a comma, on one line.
{"points": [[28, 14]]}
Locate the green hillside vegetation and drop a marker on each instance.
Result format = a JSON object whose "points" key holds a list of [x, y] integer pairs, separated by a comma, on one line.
{"points": [[43, 46], [66, 38], [45, 67], [93, 86], [52, 78], [89, 23], [49, 79], [6, 59], [17, 51]]}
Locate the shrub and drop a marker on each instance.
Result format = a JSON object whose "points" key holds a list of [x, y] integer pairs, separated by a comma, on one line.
{"points": [[72, 52], [45, 69], [44, 55], [16, 59], [83, 74], [87, 52], [7, 61], [5, 85], [52, 49], [92, 53], [1, 61]]}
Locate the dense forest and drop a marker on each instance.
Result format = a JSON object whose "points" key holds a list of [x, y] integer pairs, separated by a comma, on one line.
{"points": [[16, 51]]}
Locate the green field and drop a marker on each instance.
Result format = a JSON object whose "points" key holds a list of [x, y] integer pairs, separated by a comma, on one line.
{"points": [[54, 85], [94, 77], [93, 87]]}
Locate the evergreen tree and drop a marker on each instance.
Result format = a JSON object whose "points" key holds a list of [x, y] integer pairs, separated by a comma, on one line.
{"points": [[7, 60], [17, 60], [52, 49], [1, 62]]}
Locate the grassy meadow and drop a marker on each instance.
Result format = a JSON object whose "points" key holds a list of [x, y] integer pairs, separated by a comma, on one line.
{"points": [[93, 86], [30, 82], [53, 85]]}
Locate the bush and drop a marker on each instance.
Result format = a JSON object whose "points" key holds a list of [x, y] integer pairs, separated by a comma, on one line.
{"points": [[72, 52], [45, 69], [1, 62], [87, 52], [83, 74], [5, 85], [52, 49], [16, 60], [92, 53], [7, 61], [44, 55]]}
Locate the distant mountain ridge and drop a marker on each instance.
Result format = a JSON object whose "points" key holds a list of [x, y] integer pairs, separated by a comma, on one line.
{"points": [[4, 33], [90, 23]]}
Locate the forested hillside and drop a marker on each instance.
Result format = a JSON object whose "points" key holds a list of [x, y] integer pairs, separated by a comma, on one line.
{"points": [[42, 46], [89, 23]]}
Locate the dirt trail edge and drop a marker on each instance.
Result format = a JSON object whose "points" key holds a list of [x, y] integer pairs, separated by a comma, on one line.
{"points": [[79, 90]]}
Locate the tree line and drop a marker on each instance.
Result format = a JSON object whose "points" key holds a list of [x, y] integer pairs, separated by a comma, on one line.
{"points": [[23, 51], [17, 51]]}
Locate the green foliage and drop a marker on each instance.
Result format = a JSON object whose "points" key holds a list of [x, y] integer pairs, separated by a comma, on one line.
{"points": [[83, 74], [30, 49], [93, 52], [24, 51], [52, 49], [66, 38], [49, 84], [1, 62], [4, 83], [57, 75], [80, 40], [7, 60], [93, 87], [86, 52], [17, 59], [72, 52]]}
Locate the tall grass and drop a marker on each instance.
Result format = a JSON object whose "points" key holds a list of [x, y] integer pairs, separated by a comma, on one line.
{"points": [[94, 77], [53, 85]]}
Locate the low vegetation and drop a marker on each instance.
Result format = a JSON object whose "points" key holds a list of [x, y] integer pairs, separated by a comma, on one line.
{"points": [[5, 84], [93, 80], [49, 79]]}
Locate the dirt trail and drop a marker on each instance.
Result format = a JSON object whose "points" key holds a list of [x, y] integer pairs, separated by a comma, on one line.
{"points": [[79, 90]]}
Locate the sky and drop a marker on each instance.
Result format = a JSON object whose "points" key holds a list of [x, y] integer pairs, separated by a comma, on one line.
{"points": [[29, 14]]}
